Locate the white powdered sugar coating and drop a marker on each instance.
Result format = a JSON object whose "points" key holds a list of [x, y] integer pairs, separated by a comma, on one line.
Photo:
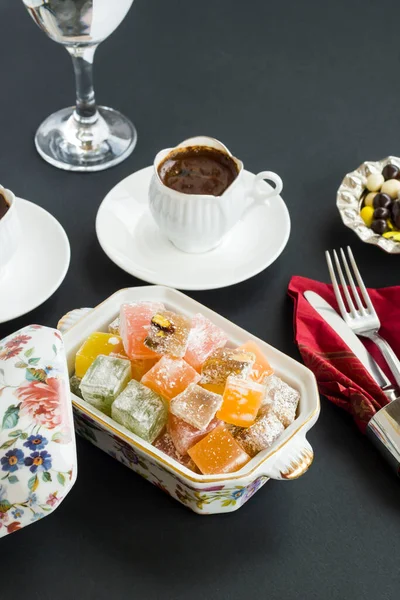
{"points": [[261, 435], [105, 374], [282, 398], [184, 436], [196, 406], [169, 373], [134, 323], [140, 410], [225, 362], [174, 342], [204, 338], [245, 386], [104, 380]]}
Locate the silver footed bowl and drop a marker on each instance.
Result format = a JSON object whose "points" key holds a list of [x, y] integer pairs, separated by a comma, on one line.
{"points": [[348, 201]]}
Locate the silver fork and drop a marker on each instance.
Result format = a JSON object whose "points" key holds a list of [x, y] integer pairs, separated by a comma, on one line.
{"points": [[361, 318]]}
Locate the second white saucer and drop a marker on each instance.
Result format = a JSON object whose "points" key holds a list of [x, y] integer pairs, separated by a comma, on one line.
{"points": [[130, 238], [39, 264]]}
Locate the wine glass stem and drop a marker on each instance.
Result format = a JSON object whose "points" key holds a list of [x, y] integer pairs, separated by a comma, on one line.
{"points": [[82, 59]]}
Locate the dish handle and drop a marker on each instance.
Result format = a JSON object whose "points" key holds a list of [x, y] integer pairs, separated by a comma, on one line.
{"points": [[71, 318], [293, 460]]}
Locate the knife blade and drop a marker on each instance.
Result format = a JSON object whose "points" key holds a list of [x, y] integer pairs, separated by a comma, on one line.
{"points": [[330, 316]]}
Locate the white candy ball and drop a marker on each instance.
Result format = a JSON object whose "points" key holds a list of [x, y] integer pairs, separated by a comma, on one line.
{"points": [[391, 187], [369, 199], [374, 182]]}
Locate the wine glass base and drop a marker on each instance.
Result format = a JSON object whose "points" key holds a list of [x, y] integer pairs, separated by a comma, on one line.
{"points": [[70, 145]]}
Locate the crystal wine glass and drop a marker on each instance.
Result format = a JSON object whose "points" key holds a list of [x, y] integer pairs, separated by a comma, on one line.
{"points": [[84, 137]]}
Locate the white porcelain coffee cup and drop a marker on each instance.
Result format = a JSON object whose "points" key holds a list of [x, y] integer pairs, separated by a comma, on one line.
{"points": [[9, 230], [198, 223]]}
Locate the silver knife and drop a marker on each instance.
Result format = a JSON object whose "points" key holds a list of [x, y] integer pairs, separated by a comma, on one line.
{"points": [[384, 427], [329, 314]]}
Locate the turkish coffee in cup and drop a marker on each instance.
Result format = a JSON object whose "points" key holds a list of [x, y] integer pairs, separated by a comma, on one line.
{"points": [[4, 206], [198, 170]]}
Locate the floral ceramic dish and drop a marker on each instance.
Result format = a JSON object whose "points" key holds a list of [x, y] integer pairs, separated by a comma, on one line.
{"points": [[38, 464], [287, 459]]}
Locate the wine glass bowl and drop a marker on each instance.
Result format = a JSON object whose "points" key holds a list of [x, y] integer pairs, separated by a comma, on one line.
{"points": [[84, 137]]}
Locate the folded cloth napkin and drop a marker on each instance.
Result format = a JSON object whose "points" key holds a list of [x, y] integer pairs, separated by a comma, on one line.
{"points": [[340, 375]]}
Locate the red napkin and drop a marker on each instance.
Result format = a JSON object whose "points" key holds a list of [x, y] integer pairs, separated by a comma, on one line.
{"points": [[340, 375]]}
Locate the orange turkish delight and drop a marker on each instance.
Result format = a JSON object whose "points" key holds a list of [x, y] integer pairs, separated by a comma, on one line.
{"points": [[170, 376], [218, 452], [261, 367], [213, 387], [241, 401], [140, 366]]}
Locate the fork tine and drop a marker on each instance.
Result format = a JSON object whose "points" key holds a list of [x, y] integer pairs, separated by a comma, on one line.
{"points": [[356, 295], [336, 289], [349, 300], [361, 285]]}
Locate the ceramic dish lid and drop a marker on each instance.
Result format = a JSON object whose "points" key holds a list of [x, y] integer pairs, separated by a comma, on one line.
{"points": [[38, 464]]}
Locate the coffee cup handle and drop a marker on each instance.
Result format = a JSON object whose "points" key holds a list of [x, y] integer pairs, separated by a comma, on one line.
{"points": [[259, 193]]}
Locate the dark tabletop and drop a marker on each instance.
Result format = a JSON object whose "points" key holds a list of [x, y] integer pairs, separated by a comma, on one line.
{"points": [[310, 90]]}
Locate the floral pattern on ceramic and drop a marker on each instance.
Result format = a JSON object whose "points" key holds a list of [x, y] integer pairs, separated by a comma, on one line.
{"points": [[37, 442], [201, 498]]}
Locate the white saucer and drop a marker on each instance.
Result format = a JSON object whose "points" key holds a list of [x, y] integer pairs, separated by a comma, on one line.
{"points": [[130, 237], [39, 265]]}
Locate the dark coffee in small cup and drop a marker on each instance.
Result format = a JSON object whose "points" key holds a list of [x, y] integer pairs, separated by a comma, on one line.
{"points": [[4, 206], [198, 170]]}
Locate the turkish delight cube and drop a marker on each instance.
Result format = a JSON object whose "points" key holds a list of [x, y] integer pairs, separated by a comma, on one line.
{"points": [[134, 326], [225, 362], [241, 401], [218, 452], [196, 406], [114, 326], [261, 367], [168, 334], [165, 443], [140, 366], [104, 381], [204, 339], [184, 436], [262, 434], [282, 398], [97, 343], [170, 376], [140, 410], [75, 385]]}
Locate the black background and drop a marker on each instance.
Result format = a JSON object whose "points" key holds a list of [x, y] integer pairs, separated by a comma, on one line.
{"points": [[310, 90]]}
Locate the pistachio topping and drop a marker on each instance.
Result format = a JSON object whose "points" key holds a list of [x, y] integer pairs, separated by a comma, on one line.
{"points": [[163, 324]]}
